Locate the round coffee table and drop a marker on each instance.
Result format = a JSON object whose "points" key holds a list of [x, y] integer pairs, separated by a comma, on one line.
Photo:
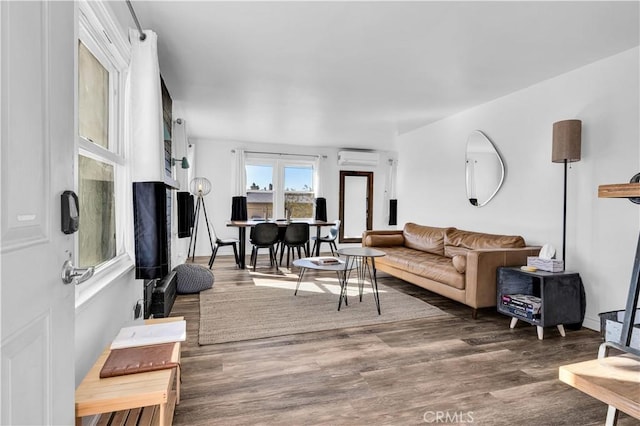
{"points": [[340, 268], [359, 258]]}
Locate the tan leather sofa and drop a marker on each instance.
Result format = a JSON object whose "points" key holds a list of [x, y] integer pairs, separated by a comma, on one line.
{"points": [[457, 264]]}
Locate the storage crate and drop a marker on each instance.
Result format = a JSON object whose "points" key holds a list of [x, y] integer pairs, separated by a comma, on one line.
{"points": [[611, 327]]}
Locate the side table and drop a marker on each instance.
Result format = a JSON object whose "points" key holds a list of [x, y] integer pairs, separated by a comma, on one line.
{"points": [[561, 293], [360, 257]]}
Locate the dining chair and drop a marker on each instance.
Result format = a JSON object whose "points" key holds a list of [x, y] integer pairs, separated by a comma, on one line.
{"points": [[334, 231], [280, 243], [263, 235], [221, 242], [296, 236]]}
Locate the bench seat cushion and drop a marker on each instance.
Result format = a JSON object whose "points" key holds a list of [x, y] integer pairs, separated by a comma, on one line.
{"points": [[428, 265]]}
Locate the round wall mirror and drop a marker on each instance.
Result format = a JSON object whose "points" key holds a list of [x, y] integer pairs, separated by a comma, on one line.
{"points": [[484, 169]]}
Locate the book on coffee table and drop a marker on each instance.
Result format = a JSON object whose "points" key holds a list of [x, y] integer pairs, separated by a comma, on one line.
{"points": [[139, 359], [324, 260]]}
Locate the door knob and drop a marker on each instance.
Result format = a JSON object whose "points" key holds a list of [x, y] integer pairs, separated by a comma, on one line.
{"points": [[70, 273]]}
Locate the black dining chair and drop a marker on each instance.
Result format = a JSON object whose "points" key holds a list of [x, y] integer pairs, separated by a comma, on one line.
{"points": [[221, 242], [296, 236], [263, 235], [334, 231], [280, 243]]}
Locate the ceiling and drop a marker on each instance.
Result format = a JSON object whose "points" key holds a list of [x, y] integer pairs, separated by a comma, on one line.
{"points": [[357, 74]]}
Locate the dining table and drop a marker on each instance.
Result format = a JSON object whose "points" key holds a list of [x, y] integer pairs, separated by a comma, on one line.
{"points": [[242, 226]]}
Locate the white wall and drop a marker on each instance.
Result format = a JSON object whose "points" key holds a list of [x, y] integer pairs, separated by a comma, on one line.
{"points": [[180, 147], [601, 233], [99, 318], [214, 161]]}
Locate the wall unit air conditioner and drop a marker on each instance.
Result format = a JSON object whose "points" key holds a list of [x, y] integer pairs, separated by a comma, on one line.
{"points": [[358, 158]]}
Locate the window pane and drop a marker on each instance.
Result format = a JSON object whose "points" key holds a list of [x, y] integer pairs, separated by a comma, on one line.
{"points": [[97, 230], [259, 178], [93, 98], [259, 191], [298, 191]]}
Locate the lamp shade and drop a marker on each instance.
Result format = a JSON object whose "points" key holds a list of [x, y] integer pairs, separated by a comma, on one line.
{"points": [[567, 137], [200, 186]]}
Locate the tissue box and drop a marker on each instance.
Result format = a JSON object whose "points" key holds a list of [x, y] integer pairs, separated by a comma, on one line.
{"points": [[549, 265]]}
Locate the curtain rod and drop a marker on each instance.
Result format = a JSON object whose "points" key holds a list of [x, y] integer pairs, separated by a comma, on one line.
{"points": [[281, 153], [143, 36]]}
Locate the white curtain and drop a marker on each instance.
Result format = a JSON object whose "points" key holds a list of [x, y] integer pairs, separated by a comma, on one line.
{"points": [[317, 185], [390, 190], [239, 182], [144, 104], [392, 179]]}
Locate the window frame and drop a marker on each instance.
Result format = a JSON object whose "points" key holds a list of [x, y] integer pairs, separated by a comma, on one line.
{"points": [[99, 33], [278, 166]]}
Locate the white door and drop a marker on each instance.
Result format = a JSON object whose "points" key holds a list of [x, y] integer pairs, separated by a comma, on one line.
{"points": [[37, 95]]}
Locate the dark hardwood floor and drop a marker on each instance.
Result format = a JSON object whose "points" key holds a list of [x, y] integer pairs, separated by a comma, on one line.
{"points": [[446, 370]]}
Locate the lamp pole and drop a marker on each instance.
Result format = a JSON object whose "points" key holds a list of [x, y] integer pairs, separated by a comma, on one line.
{"points": [[567, 140], [564, 216]]}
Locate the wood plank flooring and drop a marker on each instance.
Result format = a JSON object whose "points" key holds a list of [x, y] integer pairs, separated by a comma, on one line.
{"points": [[451, 370]]}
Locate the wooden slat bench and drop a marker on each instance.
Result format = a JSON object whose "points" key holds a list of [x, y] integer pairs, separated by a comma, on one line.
{"points": [[140, 416], [134, 399]]}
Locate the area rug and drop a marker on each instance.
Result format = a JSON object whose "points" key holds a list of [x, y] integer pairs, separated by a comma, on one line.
{"points": [[267, 308]]}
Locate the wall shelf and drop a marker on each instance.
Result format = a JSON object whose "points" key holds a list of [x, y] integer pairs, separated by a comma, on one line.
{"points": [[619, 190]]}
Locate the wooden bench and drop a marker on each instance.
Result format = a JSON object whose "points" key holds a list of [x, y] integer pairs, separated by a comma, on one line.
{"points": [[135, 399], [613, 380], [145, 416]]}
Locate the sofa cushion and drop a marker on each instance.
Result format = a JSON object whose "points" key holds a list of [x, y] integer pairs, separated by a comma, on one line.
{"points": [[425, 238], [460, 263], [477, 240], [451, 251], [428, 265], [384, 240]]}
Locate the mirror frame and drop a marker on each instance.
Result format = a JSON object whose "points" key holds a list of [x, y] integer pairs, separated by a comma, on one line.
{"points": [[500, 162]]}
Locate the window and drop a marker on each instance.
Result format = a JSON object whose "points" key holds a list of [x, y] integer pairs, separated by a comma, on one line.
{"points": [[100, 161], [93, 98], [298, 191], [97, 231], [275, 186], [260, 191]]}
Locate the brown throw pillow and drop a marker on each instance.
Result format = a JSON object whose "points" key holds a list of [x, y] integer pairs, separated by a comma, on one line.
{"points": [[460, 263], [451, 251], [384, 240]]}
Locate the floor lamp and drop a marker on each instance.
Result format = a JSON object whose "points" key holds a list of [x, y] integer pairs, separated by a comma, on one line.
{"points": [[567, 137], [199, 187]]}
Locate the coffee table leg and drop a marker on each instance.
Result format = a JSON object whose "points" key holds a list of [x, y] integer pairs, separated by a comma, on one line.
{"points": [[361, 275], [299, 280], [374, 284], [343, 278]]}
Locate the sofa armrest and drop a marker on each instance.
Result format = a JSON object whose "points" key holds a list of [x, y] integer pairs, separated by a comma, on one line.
{"points": [[382, 238], [482, 268]]}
